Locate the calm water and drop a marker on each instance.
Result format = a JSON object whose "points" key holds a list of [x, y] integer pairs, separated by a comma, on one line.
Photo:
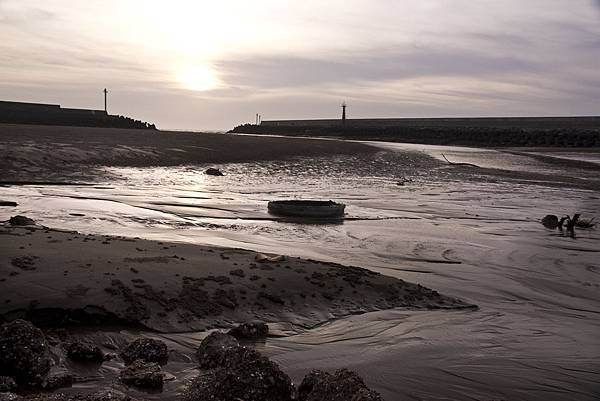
{"points": [[473, 233]]}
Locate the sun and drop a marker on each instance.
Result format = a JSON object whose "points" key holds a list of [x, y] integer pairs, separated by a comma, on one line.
{"points": [[198, 78]]}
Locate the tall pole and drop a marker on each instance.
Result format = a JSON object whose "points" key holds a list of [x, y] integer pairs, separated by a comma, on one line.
{"points": [[105, 105], [344, 114]]}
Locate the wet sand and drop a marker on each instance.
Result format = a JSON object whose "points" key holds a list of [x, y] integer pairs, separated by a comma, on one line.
{"points": [[474, 233], [58, 278], [65, 154]]}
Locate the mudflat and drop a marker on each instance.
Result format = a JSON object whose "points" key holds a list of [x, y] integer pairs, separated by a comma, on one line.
{"points": [[57, 152]]}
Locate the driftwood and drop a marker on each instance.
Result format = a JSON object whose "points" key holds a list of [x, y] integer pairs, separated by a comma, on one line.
{"points": [[459, 164]]}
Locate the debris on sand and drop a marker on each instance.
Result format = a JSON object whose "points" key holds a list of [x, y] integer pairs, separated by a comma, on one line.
{"points": [[552, 222], [83, 352], [214, 172], [585, 223], [261, 257], [21, 221], [147, 350], [24, 353], [343, 385], [250, 330]]}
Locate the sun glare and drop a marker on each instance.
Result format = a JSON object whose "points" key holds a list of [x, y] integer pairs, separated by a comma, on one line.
{"points": [[198, 78]]}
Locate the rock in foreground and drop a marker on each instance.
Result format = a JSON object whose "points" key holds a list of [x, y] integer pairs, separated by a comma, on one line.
{"points": [[250, 331], [21, 221], [220, 350], [24, 353], [7, 384], [146, 375], [146, 349], [83, 352], [106, 395], [255, 380], [343, 385], [236, 372]]}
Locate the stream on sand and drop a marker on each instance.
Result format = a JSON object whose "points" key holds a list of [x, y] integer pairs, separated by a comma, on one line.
{"points": [[468, 232]]}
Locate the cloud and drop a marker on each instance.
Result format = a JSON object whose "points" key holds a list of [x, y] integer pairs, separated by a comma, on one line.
{"points": [[372, 65]]}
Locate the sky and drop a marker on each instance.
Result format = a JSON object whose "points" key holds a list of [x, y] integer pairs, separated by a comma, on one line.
{"points": [[211, 65]]}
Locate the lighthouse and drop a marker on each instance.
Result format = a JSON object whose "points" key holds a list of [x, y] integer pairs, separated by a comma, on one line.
{"points": [[344, 114]]}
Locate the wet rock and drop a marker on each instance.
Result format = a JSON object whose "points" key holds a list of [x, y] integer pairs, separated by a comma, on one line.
{"points": [[109, 395], [220, 350], [146, 349], [214, 172], [250, 330], [310, 381], [343, 385], [7, 384], [106, 395], [9, 397], [550, 221], [24, 353], [61, 380], [255, 380], [83, 352], [21, 221], [146, 375], [8, 203]]}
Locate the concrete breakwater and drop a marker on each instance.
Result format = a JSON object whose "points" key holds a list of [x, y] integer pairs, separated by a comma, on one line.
{"points": [[53, 114], [494, 132]]}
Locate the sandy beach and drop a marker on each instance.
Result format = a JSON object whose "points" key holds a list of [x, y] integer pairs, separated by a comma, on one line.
{"points": [[154, 248]]}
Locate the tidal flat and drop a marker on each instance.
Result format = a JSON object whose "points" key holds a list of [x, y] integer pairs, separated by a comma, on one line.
{"points": [[473, 234]]}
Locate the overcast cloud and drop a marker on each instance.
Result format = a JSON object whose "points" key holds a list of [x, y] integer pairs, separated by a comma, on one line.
{"points": [[202, 65]]}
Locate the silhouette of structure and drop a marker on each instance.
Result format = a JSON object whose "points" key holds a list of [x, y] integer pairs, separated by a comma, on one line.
{"points": [[105, 105], [53, 114], [573, 132]]}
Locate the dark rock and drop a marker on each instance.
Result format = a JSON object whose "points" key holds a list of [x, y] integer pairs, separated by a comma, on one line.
{"points": [[250, 330], [106, 395], [142, 374], [8, 203], [220, 350], [214, 171], [343, 385], [109, 395], [550, 221], [146, 349], [310, 380], [7, 384], [83, 352], [24, 353], [9, 397], [254, 380], [21, 221], [61, 380]]}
